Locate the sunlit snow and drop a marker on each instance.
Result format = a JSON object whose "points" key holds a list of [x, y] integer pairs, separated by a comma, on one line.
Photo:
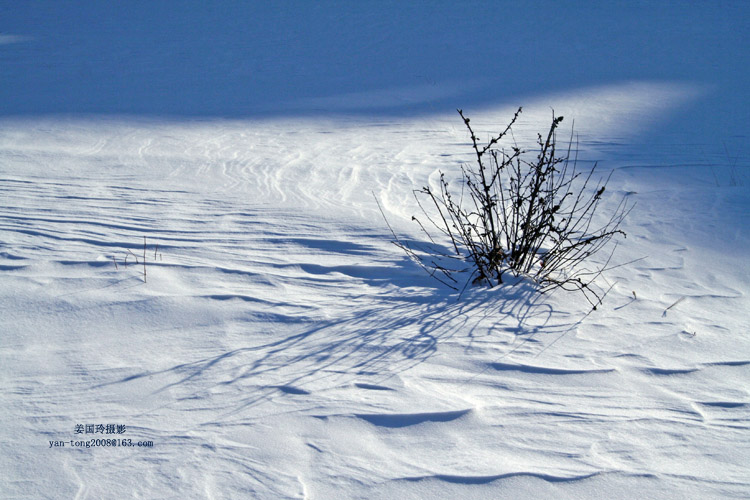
{"points": [[279, 345]]}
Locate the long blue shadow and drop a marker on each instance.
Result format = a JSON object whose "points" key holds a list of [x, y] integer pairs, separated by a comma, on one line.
{"points": [[199, 59]]}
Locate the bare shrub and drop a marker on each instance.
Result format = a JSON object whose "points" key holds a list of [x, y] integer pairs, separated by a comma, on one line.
{"points": [[518, 214]]}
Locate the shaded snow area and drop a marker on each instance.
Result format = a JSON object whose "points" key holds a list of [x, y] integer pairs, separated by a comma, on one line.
{"points": [[278, 345]]}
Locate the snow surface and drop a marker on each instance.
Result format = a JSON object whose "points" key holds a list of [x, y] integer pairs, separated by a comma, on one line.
{"points": [[280, 345]]}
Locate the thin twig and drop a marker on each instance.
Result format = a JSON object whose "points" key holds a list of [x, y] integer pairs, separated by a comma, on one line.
{"points": [[144, 259], [673, 304]]}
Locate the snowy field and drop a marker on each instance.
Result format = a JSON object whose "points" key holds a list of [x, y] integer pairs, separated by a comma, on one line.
{"points": [[279, 345]]}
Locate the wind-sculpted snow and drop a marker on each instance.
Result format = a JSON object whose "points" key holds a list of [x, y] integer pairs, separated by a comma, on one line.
{"points": [[275, 344], [281, 347], [408, 419]]}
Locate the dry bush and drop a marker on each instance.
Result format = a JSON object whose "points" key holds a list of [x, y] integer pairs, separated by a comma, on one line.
{"points": [[518, 213]]}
